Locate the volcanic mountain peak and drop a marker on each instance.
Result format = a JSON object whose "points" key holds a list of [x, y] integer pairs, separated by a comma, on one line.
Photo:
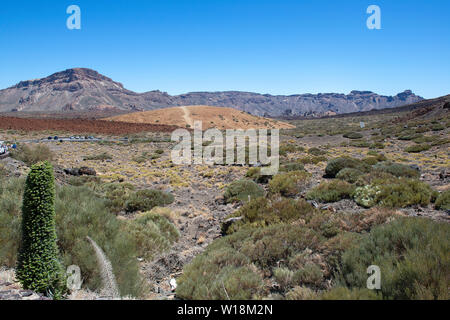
{"points": [[68, 76]]}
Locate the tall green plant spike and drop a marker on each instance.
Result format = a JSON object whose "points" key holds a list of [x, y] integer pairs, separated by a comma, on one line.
{"points": [[38, 267]]}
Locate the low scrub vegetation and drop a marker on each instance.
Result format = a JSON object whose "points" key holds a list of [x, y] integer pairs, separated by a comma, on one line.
{"points": [[79, 213], [332, 191], [336, 165], [242, 190], [353, 135], [32, 155], [394, 193], [418, 148], [152, 232], [263, 212], [145, 200], [289, 184], [412, 255], [443, 201]]}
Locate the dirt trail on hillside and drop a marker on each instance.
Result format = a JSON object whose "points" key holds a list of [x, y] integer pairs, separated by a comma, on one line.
{"points": [[187, 116]]}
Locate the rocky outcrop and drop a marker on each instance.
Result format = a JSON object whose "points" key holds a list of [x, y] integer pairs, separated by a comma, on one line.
{"points": [[87, 90]]}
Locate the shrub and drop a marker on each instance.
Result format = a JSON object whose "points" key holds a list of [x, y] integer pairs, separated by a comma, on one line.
{"points": [[348, 174], [32, 155], [79, 214], [312, 159], [11, 192], [376, 145], [398, 193], [289, 148], [290, 183], [353, 135], [404, 193], [336, 165], [396, 169], [307, 255], [117, 195], [301, 293], [417, 148], [284, 278], [360, 144], [38, 266], [292, 166], [366, 196], [241, 190], [412, 256], [316, 152], [443, 201], [152, 233], [263, 212], [437, 127], [343, 293], [332, 191], [145, 200], [3, 171]]}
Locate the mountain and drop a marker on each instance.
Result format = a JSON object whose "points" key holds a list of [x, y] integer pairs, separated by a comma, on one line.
{"points": [[83, 89]]}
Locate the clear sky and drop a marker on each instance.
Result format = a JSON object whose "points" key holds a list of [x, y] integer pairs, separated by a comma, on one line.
{"points": [[265, 46]]}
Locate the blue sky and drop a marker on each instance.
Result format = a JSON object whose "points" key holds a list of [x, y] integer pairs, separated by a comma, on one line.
{"points": [[276, 47]]}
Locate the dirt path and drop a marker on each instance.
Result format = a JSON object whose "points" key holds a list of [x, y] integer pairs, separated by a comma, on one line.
{"points": [[187, 117]]}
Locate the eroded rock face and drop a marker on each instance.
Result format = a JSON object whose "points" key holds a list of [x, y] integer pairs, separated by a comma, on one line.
{"points": [[87, 90]]}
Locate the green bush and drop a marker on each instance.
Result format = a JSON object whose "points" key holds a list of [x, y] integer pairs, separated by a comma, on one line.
{"points": [[145, 200], [397, 193], [316, 152], [289, 184], [396, 169], [412, 254], [309, 257], [443, 201], [11, 192], [292, 166], [417, 148], [348, 174], [32, 155], [262, 212], [336, 165], [79, 214], [289, 148], [332, 191], [360, 144], [241, 190], [153, 234], [353, 135], [38, 266], [376, 145], [117, 195], [312, 159], [343, 293]]}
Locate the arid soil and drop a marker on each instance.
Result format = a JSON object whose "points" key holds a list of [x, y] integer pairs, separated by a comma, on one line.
{"points": [[211, 117], [80, 126]]}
